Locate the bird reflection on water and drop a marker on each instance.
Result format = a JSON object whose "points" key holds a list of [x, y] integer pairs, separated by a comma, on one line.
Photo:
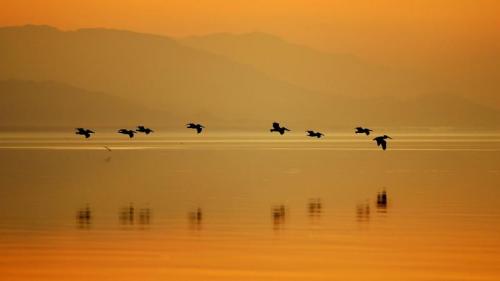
{"points": [[195, 219], [130, 215], [382, 202], [144, 216], [314, 207], [278, 214], [84, 217], [127, 215], [363, 212]]}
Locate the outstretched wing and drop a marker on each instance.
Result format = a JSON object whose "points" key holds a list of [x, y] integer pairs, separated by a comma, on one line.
{"points": [[384, 144], [359, 129], [199, 129], [276, 125], [191, 125], [286, 129]]}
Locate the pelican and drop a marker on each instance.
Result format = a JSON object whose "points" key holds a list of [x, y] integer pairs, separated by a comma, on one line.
{"points": [[130, 133], [361, 130], [142, 129], [381, 141], [314, 134], [277, 128], [84, 132], [198, 127]]}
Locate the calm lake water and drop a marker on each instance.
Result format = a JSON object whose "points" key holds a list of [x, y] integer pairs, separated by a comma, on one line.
{"points": [[260, 207]]}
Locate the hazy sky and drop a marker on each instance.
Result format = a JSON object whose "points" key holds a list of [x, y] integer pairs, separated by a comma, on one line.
{"points": [[410, 33]]}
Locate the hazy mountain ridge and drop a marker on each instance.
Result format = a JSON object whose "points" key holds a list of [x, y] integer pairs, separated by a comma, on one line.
{"points": [[148, 69], [28, 103], [334, 74], [183, 83]]}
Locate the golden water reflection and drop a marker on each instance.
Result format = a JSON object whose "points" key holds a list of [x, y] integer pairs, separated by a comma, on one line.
{"points": [[250, 214]]}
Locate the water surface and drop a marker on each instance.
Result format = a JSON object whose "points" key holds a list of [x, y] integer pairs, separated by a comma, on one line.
{"points": [[205, 207]]}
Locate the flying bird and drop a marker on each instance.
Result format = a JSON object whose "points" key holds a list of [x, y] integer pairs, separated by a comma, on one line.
{"points": [[198, 127], [361, 130], [277, 128], [381, 141], [314, 134], [130, 133], [84, 132], [142, 129]]}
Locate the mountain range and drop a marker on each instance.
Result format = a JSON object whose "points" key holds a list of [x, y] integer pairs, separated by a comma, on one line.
{"points": [[50, 77]]}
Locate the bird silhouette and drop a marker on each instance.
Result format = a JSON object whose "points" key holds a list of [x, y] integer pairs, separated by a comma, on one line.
{"points": [[361, 130], [84, 132], [142, 129], [381, 141], [130, 133], [198, 127], [277, 128], [314, 134]]}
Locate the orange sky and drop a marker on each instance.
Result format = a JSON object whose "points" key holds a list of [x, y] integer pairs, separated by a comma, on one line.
{"points": [[395, 32]]}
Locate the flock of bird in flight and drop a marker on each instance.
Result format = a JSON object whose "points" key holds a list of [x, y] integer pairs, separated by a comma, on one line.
{"points": [[381, 140]]}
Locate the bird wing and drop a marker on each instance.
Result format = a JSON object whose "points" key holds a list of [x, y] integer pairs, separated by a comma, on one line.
{"points": [[199, 129], [286, 129], [310, 132], [384, 144], [359, 129], [191, 125], [80, 130], [276, 125]]}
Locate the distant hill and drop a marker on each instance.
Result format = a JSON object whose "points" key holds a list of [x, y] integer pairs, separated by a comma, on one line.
{"points": [[27, 103], [149, 69], [334, 74], [151, 73]]}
